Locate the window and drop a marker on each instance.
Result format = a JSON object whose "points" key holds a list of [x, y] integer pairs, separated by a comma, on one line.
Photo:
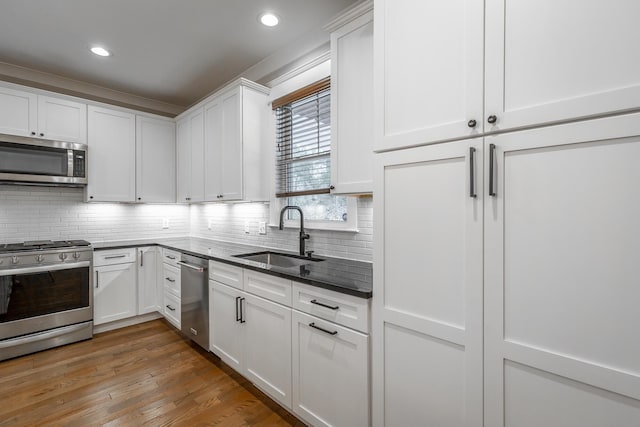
{"points": [[303, 155]]}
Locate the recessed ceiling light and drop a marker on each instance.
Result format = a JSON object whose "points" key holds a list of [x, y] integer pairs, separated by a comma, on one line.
{"points": [[269, 19], [100, 51]]}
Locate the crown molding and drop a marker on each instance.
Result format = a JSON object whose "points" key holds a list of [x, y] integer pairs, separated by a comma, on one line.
{"points": [[349, 15]]}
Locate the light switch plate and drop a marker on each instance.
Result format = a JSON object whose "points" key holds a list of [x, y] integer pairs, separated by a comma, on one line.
{"points": [[262, 227], [165, 222]]}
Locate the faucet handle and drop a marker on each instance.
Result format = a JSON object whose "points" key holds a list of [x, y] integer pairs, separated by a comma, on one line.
{"points": [[309, 254]]}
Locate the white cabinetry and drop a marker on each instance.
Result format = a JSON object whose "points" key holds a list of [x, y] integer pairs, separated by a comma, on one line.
{"points": [[330, 373], [155, 160], [147, 280], [171, 287], [428, 288], [430, 55], [352, 101], [190, 154], [114, 293], [234, 148], [561, 281], [26, 113], [112, 155], [429, 71], [253, 335]]}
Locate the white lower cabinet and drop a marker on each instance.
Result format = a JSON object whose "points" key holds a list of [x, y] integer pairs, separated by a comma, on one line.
{"points": [[170, 287], [330, 373], [147, 280], [252, 335], [172, 309], [114, 293]]}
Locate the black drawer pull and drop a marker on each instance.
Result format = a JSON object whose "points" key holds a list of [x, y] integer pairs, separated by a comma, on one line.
{"points": [[171, 257], [324, 305], [313, 325], [238, 318], [171, 308], [169, 279]]}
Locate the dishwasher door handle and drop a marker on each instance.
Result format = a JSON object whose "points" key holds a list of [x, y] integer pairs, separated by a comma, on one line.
{"points": [[197, 268]]}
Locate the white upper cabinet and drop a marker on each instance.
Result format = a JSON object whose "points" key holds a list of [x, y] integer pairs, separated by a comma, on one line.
{"points": [[112, 155], [544, 67], [62, 120], [428, 73], [234, 148], [18, 112], [155, 160], [191, 162], [352, 101], [540, 68], [24, 113]]}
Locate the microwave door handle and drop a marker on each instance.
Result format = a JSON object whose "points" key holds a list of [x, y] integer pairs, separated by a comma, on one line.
{"points": [[70, 162]]}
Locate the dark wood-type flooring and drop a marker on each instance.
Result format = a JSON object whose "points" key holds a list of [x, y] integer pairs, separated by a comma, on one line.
{"points": [[142, 375]]}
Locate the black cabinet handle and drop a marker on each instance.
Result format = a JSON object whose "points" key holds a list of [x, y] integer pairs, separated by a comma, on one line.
{"points": [[33, 133], [241, 311], [169, 279], [313, 325], [41, 134], [492, 153], [141, 259], [332, 187], [472, 172], [324, 305], [170, 308], [238, 318], [492, 119], [472, 123]]}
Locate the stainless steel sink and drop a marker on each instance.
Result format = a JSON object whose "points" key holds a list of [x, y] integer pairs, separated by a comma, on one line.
{"points": [[278, 259]]}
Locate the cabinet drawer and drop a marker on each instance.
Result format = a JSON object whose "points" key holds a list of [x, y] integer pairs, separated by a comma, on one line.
{"points": [[226, 273], [343, 309], [113, 256], [171, 279], [170, 257], [171, 309], [271, 287]]}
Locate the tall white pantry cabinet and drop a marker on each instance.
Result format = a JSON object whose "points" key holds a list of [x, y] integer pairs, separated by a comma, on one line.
{"points": [[505, 287]]}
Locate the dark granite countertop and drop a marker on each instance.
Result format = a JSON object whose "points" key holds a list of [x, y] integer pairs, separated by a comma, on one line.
{"points": [[337, 274]]}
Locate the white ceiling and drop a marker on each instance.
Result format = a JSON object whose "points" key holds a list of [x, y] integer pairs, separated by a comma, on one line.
{"points": [[173, 51]]}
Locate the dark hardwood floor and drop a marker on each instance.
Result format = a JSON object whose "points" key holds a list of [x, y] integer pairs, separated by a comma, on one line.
{"points": [[142, 375]]}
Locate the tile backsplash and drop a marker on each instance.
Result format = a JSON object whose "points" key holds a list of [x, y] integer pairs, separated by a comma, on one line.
{"points": [[228, 223], [34, 213]]}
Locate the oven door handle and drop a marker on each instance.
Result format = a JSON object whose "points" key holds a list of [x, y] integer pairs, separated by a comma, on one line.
{"points": [[43, 268], [39, 336]]}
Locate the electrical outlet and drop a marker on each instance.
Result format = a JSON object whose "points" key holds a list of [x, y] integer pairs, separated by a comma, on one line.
{"points": [[210, 224], [246, 227], [165, 222], [262, 227]]}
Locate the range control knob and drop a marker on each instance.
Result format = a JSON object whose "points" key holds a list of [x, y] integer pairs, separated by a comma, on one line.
{"points": [[76, 255], [39, 258], [14, 260], [62, 256]]}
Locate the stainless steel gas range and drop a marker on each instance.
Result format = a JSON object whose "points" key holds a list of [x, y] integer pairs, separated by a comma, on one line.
{"points": [[46, 295]]}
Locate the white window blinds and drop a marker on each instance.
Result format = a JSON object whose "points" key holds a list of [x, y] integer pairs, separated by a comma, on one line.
{"points": [[303, 141]]}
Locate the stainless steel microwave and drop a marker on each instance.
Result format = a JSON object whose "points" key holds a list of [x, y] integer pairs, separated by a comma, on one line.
{"points": [[42, 162]]}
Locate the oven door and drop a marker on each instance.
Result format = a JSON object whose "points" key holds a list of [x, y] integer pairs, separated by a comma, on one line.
{"points": [[34, 299]]}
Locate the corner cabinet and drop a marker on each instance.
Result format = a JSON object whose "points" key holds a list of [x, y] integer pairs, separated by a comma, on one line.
{"points": [[483, 67], [518, 239], [111, 156], [352, 101], [190, 155], [25, 113], [155, 160], [234, 150]]}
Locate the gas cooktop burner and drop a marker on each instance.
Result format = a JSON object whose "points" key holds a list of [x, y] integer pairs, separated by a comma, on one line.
{"points": [[35, 245]]}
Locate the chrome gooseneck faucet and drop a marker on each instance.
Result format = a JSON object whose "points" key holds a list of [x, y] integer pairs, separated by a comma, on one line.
{"points": [[303, 236]]}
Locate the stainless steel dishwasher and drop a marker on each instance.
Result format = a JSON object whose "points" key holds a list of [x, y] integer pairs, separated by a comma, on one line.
{"points": [[195, 299]]}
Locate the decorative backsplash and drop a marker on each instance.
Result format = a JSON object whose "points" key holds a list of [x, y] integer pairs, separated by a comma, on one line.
{"points": [[34, 213]]}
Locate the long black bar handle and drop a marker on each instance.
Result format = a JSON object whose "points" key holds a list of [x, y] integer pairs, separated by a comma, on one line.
{"points": [[241, 311], [332, 307], [472, 172], [313, 325], [492, 153], [238, 318]]}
